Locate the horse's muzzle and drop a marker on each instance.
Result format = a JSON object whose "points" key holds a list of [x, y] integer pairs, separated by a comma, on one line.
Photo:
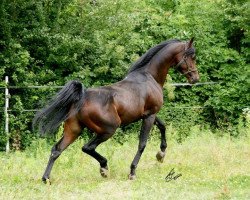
{"points": [[193, 79]]}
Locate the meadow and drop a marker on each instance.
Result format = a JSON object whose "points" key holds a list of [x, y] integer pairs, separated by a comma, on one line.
{"points": [[212, 167]]}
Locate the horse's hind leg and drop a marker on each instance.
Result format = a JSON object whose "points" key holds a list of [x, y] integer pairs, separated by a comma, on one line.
{"points": [[161, 154], [90, 147], [71, 131]]}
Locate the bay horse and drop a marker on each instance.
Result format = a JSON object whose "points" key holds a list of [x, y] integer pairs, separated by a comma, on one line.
{"points": [[139, 96]]}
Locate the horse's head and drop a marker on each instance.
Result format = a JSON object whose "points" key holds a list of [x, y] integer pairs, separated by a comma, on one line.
{"points": [[185, 62]]}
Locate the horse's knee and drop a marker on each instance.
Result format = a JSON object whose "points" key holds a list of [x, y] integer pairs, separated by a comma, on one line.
{"points": [[88, 148]]}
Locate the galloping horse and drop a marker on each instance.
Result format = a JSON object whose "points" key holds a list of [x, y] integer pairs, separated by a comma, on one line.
{"points": [[102, 110]]}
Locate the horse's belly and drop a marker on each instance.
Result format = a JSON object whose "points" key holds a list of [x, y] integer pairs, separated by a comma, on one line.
{"points": [[129, 110], [132, 112]]}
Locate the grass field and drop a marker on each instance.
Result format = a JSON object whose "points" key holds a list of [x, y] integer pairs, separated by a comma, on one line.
{"points": [[211, 167]]}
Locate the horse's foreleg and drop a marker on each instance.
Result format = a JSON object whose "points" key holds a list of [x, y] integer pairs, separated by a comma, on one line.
{"points": [[144, 133], [161, 154], [90, 147], [69, 136]]}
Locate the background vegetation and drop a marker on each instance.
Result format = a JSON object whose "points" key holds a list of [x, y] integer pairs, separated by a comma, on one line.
{"points": [[48, 42]]}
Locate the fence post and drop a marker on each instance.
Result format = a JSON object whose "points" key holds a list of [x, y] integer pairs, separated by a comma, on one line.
{"points": [[7, 96]]}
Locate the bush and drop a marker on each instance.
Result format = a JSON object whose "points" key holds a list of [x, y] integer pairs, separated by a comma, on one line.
{"points": [[51, 42]]}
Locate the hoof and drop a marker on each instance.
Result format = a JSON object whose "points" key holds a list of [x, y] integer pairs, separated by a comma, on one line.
{"points": [[160, 156], [46, 180], [104, 172], [131, 177]]}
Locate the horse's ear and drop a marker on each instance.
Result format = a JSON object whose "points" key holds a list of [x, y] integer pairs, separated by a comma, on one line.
{"points": [[190, 43]]}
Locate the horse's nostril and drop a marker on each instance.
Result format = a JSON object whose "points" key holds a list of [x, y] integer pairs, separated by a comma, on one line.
{"points": [[193, 80]]}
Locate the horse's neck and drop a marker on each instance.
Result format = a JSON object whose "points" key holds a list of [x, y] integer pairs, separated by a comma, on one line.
{"points": [[160, 64], [159, 69]]}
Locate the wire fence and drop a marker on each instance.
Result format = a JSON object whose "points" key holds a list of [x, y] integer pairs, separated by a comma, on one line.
{"points": [[8, 87], [59, 87]]}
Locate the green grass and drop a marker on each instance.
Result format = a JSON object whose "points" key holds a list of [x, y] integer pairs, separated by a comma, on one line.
{"points": [[211, 167]]}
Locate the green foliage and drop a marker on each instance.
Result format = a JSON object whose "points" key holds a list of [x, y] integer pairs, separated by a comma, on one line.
{"points": [[46, 42]]}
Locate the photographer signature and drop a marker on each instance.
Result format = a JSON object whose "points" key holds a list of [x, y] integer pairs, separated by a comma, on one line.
{"points": [[172, 176]]}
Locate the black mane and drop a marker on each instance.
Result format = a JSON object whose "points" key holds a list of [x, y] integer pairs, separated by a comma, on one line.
{"points": [[145, 58]]}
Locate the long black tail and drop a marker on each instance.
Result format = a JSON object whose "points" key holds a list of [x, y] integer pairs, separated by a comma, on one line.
{"points": [[66, 103]]}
